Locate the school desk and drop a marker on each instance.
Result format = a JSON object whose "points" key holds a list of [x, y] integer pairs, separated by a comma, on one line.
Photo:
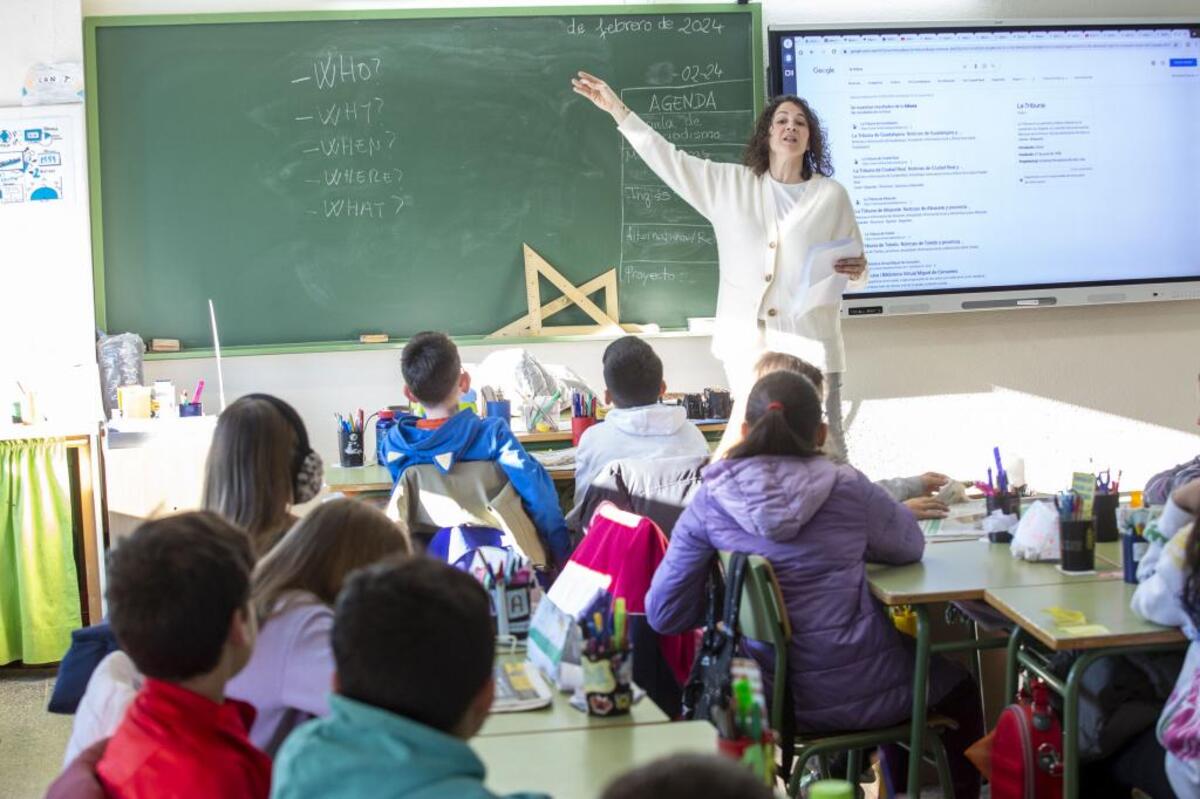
{"points": [[578, 764], [374, 479], [1111, 628], [560, 716], [956, 570]]}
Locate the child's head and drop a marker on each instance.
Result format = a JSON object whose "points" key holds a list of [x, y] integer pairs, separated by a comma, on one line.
{"points": [[178, 597], [686, 777], [416, 638], [433, 373], [783, 417], [316, 555], [260, 464], [633, 373], [770, 362]]}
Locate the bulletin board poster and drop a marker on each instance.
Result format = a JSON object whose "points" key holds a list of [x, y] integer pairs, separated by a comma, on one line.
{"points": [[35, 160]]}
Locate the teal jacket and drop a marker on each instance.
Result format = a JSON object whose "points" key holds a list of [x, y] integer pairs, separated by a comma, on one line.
{"points": [[360, 750]]}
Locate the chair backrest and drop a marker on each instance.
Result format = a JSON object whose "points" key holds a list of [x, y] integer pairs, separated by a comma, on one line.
{"points": [[762, 616], [472, 493], [657, 488]]}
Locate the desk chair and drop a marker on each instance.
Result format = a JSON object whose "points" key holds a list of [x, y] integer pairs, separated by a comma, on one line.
{"points": [[472, 493], [762, 617]]}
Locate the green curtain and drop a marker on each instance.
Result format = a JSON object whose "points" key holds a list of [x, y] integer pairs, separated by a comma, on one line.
{"points": [[39, 589]]}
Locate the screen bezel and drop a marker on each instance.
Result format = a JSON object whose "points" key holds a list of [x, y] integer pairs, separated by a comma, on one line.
{"points": [[1158, 288]]}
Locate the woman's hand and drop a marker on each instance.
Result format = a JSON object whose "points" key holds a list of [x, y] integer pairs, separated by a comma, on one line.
{"points": [[927, 508], [853, 268], [932, 481], [602, 95]]}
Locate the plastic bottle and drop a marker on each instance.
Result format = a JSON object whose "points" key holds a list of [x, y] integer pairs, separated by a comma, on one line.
{"points": [[831, 789], [385, 422]]}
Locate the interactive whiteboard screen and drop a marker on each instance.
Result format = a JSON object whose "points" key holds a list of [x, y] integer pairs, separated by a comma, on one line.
{"points": [[1011, 165]]}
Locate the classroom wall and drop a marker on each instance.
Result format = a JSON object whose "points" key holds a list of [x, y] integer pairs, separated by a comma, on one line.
{"points": [[1058, 386], [46, 318]]}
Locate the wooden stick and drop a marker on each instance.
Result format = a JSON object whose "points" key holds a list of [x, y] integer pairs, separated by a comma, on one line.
{"points": [[522, 325], [533, 295], [566, 287]]}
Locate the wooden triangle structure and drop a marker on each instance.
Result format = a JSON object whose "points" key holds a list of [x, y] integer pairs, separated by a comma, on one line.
{"points": [[532, 323]]}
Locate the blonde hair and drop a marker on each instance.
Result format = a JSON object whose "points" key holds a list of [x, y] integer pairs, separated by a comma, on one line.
{"points": [[317, 554]]}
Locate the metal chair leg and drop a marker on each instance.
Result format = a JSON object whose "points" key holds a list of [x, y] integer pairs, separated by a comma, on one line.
{"points": [[853, 765], [942, 762]]}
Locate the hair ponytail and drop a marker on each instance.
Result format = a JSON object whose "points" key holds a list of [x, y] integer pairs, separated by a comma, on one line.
{"points": [[784, 413]]}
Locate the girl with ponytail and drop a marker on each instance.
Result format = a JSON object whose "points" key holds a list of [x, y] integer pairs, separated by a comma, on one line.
{"points": [[819, 523]]}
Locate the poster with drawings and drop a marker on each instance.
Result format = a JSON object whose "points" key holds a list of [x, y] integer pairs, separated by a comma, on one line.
{"points": [[34, 161]]}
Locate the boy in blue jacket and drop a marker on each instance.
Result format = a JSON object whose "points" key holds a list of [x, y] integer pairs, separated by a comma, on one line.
{"points": [[434, 377]]}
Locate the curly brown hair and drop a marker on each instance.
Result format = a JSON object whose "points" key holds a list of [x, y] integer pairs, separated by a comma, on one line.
{"points": [[757, 155]]}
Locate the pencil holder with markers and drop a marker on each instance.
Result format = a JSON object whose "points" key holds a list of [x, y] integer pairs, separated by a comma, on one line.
{"points": [[608, 682], [607, 661]]}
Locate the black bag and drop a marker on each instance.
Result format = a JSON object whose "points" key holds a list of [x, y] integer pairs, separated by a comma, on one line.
{"points": [[709, 687]]}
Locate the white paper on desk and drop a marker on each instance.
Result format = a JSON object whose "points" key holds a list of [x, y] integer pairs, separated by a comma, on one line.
{"points": [[820, 285], [965, 520], [555, 459]]}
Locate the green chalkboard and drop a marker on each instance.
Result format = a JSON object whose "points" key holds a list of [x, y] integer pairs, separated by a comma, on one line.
{"points": [[323, 175]]}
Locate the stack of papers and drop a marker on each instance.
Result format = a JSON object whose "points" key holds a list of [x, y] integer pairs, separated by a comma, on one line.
{"points": [[556, 459], [964, 522]]}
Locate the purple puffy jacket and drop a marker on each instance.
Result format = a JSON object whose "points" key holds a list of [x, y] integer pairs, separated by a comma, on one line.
{"points": [[818, 524]]}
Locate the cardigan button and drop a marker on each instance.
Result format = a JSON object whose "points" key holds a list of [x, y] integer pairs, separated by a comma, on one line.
{"points": [[772, 312], [771, 245], [768, 277]]}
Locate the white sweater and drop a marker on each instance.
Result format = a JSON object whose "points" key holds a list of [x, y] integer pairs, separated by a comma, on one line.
{"points": [[648, 432], [755, 251]]}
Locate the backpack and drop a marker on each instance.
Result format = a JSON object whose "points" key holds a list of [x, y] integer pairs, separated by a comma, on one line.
{"points": [[1026, 756], [709, 687]]}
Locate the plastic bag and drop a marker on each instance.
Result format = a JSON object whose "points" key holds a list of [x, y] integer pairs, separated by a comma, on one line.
{"points": [[1037, 534], [120, 358], [517, 373]]}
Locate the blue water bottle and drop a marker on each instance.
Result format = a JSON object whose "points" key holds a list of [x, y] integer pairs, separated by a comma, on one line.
{"points": [[1133, 543], [383, 424]]}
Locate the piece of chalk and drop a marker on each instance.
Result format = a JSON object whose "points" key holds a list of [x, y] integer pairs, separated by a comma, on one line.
{"points": [[373, 338]]}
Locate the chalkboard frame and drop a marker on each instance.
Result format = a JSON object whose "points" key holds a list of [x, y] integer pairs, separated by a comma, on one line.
{"points": [[92, 103]]}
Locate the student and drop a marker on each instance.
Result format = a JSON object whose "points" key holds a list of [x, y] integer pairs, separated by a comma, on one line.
{"points": [[434, 377], [178, 600], [637, 426], [818, 523], [112, 687], [414, 647], [259, 465], [688, 777], [1169, 594], [913, 491], [1160, 486], [287, 679]]}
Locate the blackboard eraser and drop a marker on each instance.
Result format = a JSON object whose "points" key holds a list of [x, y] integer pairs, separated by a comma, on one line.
{"points": [[164, 345], [373, 338]]}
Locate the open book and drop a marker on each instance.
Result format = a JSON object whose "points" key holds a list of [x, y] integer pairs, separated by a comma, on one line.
{"points": [[519, 686]]}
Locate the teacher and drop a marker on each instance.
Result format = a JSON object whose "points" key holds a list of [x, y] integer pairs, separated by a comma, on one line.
{"points": [[768, 213]]}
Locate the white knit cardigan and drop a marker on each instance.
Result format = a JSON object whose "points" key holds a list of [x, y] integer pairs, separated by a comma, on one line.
{"points": [[755, 250]]}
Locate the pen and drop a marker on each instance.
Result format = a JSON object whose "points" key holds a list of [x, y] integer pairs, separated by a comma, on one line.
{"points": [[199, 390]]}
